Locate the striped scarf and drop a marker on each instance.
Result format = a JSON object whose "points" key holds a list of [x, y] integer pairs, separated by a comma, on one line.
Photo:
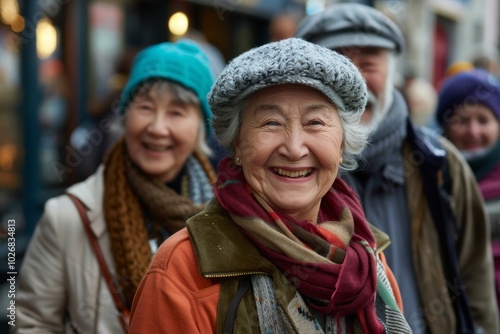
{"points": [[332, 263]]}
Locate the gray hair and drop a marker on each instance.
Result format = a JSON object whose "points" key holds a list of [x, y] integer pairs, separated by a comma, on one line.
{"points": [[226, 124], [180, 93]]}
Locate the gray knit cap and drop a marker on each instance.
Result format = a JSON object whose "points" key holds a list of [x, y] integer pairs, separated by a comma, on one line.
{"points": [[290, 61]]}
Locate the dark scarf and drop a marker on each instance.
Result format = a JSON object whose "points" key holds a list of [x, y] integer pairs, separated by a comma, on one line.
{"points": [[487, 172], [130, 199], [338, 250]]}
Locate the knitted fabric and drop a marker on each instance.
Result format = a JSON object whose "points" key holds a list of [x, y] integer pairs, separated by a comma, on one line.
{"points": [[490, 184], [183, 62], [485, 164], [332, 262], [128, 195], [290, 61], [273, 318]]}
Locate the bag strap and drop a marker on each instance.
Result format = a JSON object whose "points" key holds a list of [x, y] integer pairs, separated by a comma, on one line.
{"points": [[243, 286], [123, 312]]}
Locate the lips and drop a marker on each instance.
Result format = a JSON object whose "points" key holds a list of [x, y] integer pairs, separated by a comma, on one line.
{"points": [[293, 174]]}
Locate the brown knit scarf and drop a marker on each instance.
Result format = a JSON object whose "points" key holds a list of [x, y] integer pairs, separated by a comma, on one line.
{"points": [[129, 196]]}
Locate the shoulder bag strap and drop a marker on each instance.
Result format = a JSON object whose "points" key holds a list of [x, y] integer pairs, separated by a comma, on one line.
{"points": [[123, 312], [243, 286]]}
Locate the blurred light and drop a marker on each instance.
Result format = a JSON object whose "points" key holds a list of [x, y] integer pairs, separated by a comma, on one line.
{"points": [[8, 11], [17, 24], [178, 24], [8, 154], [314, 6], [46, 38]]}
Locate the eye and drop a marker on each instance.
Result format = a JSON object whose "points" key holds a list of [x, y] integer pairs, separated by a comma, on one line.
{"points": [[271, 123], [145, 106], [483, 120], [316, 122], [177, 112]]}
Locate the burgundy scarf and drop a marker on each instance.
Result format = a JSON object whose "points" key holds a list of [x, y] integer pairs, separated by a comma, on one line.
{"points": [[345, 285]]}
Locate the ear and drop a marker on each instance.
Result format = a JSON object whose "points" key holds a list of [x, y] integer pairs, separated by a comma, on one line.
{"points": [[237, 148]]}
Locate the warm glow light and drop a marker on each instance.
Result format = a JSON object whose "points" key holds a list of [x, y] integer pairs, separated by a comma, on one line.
{"points": [[178, 24], [8, 11], [46, 38], [8, 154], [17, 24]]}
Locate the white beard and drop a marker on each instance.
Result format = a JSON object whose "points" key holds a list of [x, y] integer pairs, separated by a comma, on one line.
{"points": [[379, 108]]}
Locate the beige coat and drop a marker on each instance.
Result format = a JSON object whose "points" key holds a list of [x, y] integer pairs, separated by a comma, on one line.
{"points": [[60, 275]]}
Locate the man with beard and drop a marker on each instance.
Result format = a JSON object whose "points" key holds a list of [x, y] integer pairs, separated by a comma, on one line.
{"points": [[414, 186]]}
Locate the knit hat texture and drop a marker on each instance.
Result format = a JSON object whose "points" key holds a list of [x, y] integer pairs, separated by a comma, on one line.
{"points": [[351, 24], [290, 61], [183, 62], [468, 88]]}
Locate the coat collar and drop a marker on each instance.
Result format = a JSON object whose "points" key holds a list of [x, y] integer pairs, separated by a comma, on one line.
{"points": [[222, 250], [90, 192]]}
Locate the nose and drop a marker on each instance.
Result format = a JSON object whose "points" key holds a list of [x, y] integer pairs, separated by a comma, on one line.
{"points": [[294, 145], [473, 129], [159, 126]]}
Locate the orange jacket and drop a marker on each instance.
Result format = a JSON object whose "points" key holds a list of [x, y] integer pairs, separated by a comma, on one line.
{"points": [[174, 297]]}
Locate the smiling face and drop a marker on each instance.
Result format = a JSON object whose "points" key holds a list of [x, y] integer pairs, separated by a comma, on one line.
{"points": [[161, 132], [473, 128], [290, 146]]}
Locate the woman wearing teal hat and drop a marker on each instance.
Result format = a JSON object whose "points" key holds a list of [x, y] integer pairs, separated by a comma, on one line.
{"points": [[150, 182]]}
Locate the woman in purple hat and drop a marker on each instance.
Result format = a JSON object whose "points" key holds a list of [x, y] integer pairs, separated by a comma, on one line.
{"points": [[469, 113]]}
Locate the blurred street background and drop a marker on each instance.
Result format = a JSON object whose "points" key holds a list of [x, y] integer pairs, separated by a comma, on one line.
{"points": [[63, 63]]}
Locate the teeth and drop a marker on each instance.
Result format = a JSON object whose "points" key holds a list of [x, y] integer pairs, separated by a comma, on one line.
{"points": [[295, 174], [157, 148]]}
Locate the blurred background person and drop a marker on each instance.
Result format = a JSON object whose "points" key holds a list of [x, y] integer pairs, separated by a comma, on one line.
{"points": [[439, 234], [154, 178], [217, 63], [421, 98], [486, 60], [469, 113], [458, 67], [283, 26], [93, 138]]}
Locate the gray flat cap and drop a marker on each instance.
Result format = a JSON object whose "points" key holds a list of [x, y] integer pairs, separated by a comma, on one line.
{"points": [[290, 61], [351, 24]]}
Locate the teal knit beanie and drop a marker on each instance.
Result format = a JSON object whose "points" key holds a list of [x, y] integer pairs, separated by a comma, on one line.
{"points": [[182, 62]]}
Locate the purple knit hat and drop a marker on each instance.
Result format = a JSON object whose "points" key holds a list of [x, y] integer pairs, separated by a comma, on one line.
{"points": [[468, 88]]}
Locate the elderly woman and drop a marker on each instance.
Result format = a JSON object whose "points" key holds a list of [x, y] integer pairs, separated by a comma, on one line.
{"points": [[284, 246], [469, 113], [152, 180]]}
